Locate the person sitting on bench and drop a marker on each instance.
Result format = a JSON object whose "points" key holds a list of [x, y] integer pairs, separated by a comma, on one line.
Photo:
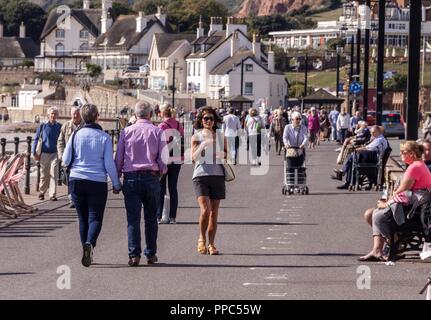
{"points": [[417, 179], [368, 154]]}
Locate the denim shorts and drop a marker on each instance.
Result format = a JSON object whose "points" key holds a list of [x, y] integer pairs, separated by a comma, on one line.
{"points": [[210, 186]]}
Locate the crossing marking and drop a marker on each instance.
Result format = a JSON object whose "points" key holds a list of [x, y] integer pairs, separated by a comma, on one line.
{"points": [[275, 248], [277, 238]]}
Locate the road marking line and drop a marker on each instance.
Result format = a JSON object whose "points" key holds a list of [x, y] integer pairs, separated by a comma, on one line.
{"points": [[263, 284], [276, 294], [277, 238], [266, 268], [277, 276], [273, 248]]}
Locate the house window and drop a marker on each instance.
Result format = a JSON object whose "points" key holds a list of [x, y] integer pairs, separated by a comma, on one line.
{"points": [[163, 66], [84, 46], [194, 68], [60, 33], [84, 34], [59, 49], [248, 89], [199, 68], [189, 71], [249, 67]]}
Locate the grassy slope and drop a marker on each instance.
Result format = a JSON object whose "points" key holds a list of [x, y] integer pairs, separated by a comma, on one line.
{"points": [[326, 79]]}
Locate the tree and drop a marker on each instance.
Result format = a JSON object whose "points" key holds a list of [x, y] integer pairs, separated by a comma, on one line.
{"points": [[296, 89], [93, 70], [397, 83], [334, 43], [13, 12], [148, 6]]}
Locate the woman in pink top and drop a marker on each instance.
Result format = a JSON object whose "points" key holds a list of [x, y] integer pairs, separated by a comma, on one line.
{"points": [[174, 135], [416, 177], [313, 128]]}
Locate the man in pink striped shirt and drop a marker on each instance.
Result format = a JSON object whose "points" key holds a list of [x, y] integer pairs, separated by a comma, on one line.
{"points": [[142, 157]]}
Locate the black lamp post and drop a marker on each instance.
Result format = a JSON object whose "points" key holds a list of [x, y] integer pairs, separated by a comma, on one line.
{"points": [[366, 62], [414, 69], [173, 82], [306, 75]]}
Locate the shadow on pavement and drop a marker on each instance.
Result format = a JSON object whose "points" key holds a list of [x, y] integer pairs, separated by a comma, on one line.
{"points": [[294, 254], [180, 265], [256, 223], [15, 273]]}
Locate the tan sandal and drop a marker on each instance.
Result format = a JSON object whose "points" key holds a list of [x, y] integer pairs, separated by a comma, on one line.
{"points": [[212, 250], [202, 249]]}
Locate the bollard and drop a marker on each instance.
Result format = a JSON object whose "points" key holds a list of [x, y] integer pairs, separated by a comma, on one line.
{"points": [[27, 167], [16, 142], [3, 146]]}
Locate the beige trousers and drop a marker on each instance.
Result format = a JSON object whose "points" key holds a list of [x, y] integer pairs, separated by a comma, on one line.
{"points": [[48, 173]]}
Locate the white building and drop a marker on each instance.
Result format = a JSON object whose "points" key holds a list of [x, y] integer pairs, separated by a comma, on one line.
{"points": [[127, 43], [165, 50], [214, 65], [396, 28], [68, 36], [26, 96]]}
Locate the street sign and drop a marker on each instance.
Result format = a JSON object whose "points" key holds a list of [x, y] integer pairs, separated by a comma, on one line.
{"points": [[355, 87], [341, 87]]}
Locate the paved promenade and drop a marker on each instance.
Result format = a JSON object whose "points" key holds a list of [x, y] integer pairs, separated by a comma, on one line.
{"points": [[273, 247]]}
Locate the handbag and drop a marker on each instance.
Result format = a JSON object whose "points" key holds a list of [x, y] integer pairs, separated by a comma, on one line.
{"points": [[64, 176], [293, 152], [229, 174], [38, 150]]}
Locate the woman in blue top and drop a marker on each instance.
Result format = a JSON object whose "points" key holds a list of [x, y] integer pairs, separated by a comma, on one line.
{"points": [[90, 158]]}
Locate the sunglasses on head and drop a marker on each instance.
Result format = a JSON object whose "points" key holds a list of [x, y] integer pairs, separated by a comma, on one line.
{"points": [[297, 119]]}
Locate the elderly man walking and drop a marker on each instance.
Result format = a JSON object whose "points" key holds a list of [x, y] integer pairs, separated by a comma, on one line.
{"points": [[142, 158], [66, 131], [48, 133]]}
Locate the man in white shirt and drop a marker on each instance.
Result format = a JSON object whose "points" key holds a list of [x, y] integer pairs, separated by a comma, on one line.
{"points": [[231, 127]]}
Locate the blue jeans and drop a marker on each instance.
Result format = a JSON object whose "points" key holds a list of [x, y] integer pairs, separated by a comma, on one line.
{"points": [[172, 177], [141, 189], [89, 198]]}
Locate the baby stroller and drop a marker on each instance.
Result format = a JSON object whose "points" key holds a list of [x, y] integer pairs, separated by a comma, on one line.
{"points": [[295, 178]]}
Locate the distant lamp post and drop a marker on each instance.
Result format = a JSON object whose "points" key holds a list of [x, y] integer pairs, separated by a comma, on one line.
{"points": [[349, 10], [105, 44], [339, 50], [174, 66]]}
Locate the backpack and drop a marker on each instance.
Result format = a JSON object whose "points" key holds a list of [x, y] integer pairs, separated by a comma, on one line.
{"points": [[178, 142]]}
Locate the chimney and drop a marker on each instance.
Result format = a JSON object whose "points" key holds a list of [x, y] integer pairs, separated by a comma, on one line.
{"points": [[271, 63], [42, 48], [106, 21], [86, 4], [22, 30], [257, 47], [161, 15], [235, 24], [215, 26], [234, 44], [141, 22], [1, 30], [200, 31]]}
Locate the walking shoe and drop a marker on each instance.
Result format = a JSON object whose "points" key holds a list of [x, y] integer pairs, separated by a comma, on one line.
{"points": [[87, 256], [343, 186], [152, 260], [41, 196], [71, 205], [172, 221], [162, 221], [53, 199], [134, 261]]}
